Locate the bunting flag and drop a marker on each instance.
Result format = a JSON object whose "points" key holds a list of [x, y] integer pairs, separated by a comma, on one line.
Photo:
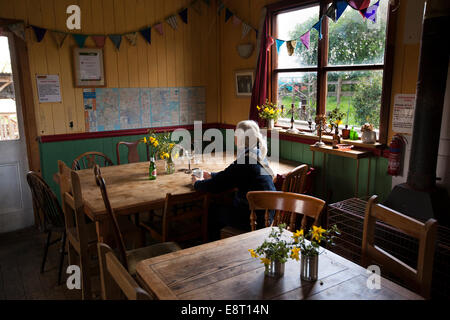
{"points": [[291, 45], [80, 39], [228, 15], [99, 41], [270, 42], [331, 12], [39, 32], [236, 20], [132, 38], [184, 15], [116, 39], [318, 27], [245, 29], [305, 39], [359, 4], [18, 29], [159, 28], [371, 12], [197, 6], [341, 5], [59, 38], [220, 8], [147, 34], [279, 44], [172, 21]]}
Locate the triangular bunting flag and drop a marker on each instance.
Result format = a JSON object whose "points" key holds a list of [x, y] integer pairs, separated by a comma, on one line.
{"points": [[270, 42], [245, 29], [159, 28], [236, 20], [147, 34], [132, 38], [318, 27], [59, 38], [359, 4], [99, 41], [228, 15], [371, 12], [172, 21], [80, 39], [220, 7], [18, 29], [116, 39], [279, 44], [305, 39], [341, 5], [331, 12], [184, 15], [197, 6], [291, 45], [363, 13], [39, 32]]}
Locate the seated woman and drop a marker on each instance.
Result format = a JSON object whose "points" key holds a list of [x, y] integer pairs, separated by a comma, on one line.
{"points": [[250, 172]]}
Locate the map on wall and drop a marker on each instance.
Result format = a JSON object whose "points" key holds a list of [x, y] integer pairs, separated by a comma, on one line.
{"points": [[108, 109]]}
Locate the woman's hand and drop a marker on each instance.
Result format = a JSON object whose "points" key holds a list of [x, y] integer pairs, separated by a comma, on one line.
{"points": [[195, 179], [206, 175]]}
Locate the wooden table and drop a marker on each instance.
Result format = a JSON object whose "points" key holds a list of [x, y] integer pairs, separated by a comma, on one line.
{"points": [[224, 270]]}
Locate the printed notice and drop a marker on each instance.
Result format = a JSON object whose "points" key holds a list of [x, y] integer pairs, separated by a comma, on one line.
{"points": [[90, 66], [49, 89], [403, 117]]}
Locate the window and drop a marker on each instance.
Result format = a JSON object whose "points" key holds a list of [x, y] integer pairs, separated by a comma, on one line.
{"points": [[344, 70]]}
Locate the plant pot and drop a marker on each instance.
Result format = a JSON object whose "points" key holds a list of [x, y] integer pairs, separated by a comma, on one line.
{"points": [[369, 137], [275, 269], [309, 267], [170, 167], [270, 124]]}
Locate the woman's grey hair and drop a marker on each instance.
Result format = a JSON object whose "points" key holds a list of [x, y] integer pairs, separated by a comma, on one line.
{"points": [[249, 136]]}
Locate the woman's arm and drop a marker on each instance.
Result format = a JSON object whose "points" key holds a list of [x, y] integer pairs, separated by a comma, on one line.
{"points": [[219, 181]]}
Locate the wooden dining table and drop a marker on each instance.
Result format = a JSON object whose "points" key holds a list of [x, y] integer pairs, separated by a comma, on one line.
{"points": [[224, 270], [130, 191]]}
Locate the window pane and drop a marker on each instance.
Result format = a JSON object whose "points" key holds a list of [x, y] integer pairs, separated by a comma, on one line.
{"points": [[292, 25], [358, 96], [9, 129], [354, 40], [299, 88]]}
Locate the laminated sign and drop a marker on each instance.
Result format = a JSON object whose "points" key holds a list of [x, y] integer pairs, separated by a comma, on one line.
{"points": [[49, 89], [403, 117]]}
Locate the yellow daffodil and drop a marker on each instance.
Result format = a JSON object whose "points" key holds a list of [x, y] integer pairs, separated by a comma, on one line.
{"points": [[266, 261], [152, 139], [253, 253], [171, 145], [145, 139], [266, 109], [317, 233], [295, 253], [155, 144], [257, 107], [297, 235]]}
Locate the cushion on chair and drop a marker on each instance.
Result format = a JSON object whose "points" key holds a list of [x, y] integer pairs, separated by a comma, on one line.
{"points": [[137, 255]]}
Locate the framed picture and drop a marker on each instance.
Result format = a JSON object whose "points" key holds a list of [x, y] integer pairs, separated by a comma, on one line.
{"points": [[88, 66], [244, 83]]}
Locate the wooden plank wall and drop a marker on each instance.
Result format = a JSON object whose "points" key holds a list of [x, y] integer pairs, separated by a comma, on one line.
{"points": [[187, 56]]}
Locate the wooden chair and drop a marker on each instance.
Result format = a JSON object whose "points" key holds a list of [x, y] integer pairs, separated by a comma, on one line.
{"points": [[88, 160], [418, 279], [133, 153], [51, 214], [82, 237], [129, 258], [184, 218], [294, 203], [116, 279]]}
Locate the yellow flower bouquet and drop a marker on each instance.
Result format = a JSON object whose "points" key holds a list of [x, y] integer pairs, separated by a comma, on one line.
{"points": [[317, 236], [269, 111], [161, 146]]}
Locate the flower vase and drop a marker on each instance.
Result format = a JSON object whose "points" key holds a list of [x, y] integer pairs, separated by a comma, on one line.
{"points": [[275, 269], [170, 166], [270, 124], [309, 267]]}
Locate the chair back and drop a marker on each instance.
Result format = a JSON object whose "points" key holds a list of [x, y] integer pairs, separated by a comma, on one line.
{"points": [[294, 203], [133, 153], [45, 202], [116, 230], [114, 276], [88, 160], [420, 278], [295, 180]]}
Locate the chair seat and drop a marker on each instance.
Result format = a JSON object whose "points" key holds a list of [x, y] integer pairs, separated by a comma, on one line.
{"points": [[137, 255], [228, 232]]}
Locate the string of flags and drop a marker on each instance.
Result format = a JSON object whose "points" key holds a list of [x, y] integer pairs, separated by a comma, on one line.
{"points": [[99, 39], [230, 15], [334, 12]]}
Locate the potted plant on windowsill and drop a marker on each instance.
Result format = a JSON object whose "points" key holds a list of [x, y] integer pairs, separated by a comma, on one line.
{"points": [[270, 112], [368, 134]]}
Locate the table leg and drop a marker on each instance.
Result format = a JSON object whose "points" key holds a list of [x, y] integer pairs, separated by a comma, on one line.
{"points": [[313, 158], [357, 178]]}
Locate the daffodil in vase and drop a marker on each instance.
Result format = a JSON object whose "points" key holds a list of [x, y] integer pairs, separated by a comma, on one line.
{"points": [[168, 152], [310, 249], [270, 112]]}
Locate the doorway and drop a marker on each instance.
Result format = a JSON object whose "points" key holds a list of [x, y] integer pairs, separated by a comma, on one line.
{"points": [[16, 210]]}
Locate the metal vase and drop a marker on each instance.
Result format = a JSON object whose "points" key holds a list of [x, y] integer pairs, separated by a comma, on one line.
{"points": [[309, 267], [275, 269]]}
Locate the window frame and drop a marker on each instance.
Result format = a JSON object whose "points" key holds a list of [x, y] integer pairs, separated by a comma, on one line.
{"points": [[323, 68]]}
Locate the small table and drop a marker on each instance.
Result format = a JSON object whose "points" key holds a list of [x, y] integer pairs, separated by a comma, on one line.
{"points": [[224, 270], [353, 154]]}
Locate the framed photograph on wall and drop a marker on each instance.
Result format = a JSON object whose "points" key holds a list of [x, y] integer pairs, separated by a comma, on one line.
{"points": [[89, 69], [244, 82]]}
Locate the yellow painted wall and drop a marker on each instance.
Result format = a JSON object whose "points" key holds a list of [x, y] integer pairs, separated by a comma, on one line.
{"points": [[185, 57], [234, 109]]}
